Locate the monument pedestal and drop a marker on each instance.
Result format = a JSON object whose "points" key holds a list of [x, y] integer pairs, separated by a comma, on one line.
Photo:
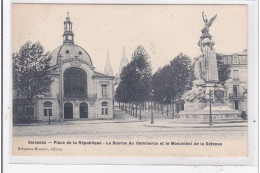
{"points": [[218, 112], [200, 108]]}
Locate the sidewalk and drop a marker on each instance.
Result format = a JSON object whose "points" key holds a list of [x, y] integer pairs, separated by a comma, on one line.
{"points": [[161, 121], [166, 122], [194, 125], [120, 117]]}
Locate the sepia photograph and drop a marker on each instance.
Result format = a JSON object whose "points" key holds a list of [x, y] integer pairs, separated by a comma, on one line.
{"points": [[130, 80]]}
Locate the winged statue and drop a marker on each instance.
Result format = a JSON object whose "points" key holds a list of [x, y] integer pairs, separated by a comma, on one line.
{"points": [[208, 23]]}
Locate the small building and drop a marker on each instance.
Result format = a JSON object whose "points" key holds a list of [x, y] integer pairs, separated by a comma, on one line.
{"points": [[77, 91], [236, 86]]}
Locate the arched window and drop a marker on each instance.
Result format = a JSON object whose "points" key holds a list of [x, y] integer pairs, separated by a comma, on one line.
{"points": [[47, 108], [104, 108], [75, 83], [104, 103]]}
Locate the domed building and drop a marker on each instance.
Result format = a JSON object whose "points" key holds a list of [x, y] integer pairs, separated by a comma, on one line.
{"points": [[77, 91]]}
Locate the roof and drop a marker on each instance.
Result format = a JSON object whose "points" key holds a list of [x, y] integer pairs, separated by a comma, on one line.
{"points": [[67, 51], [235, 54], [101, 75]]}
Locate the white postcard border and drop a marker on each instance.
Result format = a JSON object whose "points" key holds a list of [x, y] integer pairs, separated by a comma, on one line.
{"points": [[252, 101]]}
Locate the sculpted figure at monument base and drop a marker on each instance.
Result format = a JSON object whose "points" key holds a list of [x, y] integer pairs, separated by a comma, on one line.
{"points": [[197, 102]]}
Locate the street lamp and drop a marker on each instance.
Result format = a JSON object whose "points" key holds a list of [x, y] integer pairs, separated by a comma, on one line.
{"points": [[49, 113], [210, 114], [152, 121]]}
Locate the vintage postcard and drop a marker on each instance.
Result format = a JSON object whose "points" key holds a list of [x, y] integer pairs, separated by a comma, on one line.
{"points": [[130, 80]]}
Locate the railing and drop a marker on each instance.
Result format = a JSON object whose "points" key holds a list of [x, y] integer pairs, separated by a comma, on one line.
{"points": [[80, 95], [75, 95]]}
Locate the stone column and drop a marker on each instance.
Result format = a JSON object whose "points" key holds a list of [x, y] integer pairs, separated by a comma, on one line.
{"points": [[76, 110], [210, 71]]}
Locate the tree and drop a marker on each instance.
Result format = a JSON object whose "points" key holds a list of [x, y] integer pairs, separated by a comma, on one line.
{"points": [[124, 90], [30, 70], [122, 93], [142, 74], [158, 86], [162, 85], [172, 80], [135, 79], [223, 69], [183, 75], [118, 94]]}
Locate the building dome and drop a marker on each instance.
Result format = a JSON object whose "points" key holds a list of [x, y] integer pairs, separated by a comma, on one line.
{"points": [[69, 51]]}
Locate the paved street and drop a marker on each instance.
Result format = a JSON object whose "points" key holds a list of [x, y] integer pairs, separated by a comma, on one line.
{"points": [[125, 126]]}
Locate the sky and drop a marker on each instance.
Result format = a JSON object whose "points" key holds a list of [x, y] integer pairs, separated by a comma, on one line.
{"points": [[163, 30]]}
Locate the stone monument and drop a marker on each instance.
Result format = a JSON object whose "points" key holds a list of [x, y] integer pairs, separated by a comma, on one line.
{"points": [[198, 100]]}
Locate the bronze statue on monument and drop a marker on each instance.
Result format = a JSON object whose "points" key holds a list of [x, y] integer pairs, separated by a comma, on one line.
{"points": [[208, 23]]}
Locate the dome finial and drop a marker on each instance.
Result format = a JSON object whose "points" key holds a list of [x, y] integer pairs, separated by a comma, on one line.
{"points": [[68, 17]]}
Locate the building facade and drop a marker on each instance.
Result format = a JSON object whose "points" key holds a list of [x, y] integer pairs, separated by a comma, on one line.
{"points": [[77, 91], [236, 86]]}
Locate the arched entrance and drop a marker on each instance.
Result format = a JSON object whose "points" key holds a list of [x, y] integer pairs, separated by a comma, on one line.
{"points": [[83, 109], [75, 83], [68, 111]]}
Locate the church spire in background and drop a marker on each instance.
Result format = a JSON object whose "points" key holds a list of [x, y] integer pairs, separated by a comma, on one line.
{"points": [[123, 61], [108, 69]]}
